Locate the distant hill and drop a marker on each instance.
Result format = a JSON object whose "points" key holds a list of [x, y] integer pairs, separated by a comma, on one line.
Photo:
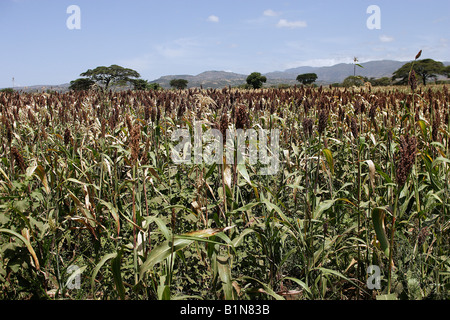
{"points": [[207, 79], [221, 79], [326, 75], [338, 72]]}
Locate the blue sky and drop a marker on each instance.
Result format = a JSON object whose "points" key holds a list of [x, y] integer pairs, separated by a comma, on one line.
{"points": [[158, 38]]}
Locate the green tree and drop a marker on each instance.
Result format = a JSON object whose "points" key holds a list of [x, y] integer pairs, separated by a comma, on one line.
{"points": [[353, 81], [154, 86], [307, 78], [178, 83], [256, 80], [81, 84], [425, 69], [446, 71], [384, 81], [140, 84], [8, 90], [113, 74]]}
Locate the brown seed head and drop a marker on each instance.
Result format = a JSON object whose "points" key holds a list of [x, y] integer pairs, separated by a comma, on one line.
{"points": [[134, 142], [412, 80], [242, 120], [67, 136], [354, 128], [18, 159], [307, 127], [323, 119], [405, 158]]}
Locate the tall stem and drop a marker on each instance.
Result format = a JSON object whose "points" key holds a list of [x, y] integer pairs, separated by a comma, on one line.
{"points": [[391, 246]]}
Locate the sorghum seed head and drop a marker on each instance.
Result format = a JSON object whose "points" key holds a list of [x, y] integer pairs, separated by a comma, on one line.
{"points": [[135, 135], [223, 125], [323, 118], [405, 158], [307, 127], [412, 80], [67, 136], [242, 120], [354, 128], [18, 159]]}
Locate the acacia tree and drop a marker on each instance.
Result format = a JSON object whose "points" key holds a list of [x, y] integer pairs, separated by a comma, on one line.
{"points": [[351, 81], [446, 71], [81, 84], [307, 78], [426, 69], [256, 80], [113, 74], [178, 83]]}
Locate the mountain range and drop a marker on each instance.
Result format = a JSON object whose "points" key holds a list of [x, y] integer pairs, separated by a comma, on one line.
{"points": [[219, 79], [325, 75]]}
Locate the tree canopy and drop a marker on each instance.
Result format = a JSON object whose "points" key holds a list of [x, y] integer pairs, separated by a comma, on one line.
{"points": [[353, 81], [113, 74], [307, 78], [81, 84], [425, 69], [446, 71], [178, 83], [256, 80]]}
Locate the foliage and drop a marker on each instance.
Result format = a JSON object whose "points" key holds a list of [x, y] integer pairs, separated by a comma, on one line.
{"points": [[446, 71], [426, 69], [383, 81], [141, 84], [307, 78], [81, 84], [7, 90], [87, 180], [113, 74], [351, 81], [256, 80], [178, 83]]}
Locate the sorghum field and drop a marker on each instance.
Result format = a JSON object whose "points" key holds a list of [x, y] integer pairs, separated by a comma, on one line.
{"points": [[92, 206]]}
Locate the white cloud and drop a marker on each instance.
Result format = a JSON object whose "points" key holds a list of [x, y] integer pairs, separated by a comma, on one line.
{"points": [[270, 13], [178, 48], [385, 38], [283, 23], [213, 18]]}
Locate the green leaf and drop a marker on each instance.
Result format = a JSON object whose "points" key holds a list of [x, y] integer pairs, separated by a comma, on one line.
{"points": [[423, 127], [114, 213], [329, 158], [439, 160], [270, 206], [40, 173], [117, 275], [378, 215], [161, 225], [268, 290], [103, 260], [225, 276], [238, 240], [243, 171], [27, 244], [301, 284], [164, 250]]}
